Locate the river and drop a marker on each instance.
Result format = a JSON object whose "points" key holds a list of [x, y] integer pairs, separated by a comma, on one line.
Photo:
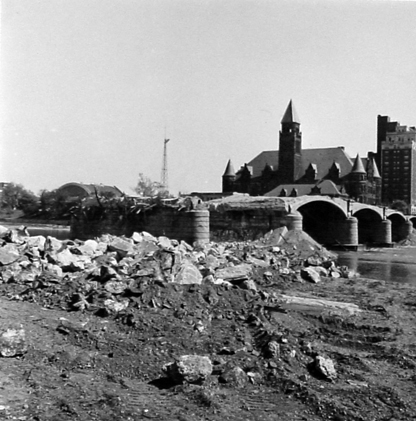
{"points": [[396, 264]]}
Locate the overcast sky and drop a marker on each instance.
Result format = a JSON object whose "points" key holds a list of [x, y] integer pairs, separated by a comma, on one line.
{"points": [[89, 86]]}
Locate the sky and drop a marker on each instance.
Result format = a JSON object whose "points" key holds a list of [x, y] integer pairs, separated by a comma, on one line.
{"points": [[90, 88]]}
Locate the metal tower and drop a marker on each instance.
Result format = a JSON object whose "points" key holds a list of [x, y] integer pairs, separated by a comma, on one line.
{"points": [[164, 176]]}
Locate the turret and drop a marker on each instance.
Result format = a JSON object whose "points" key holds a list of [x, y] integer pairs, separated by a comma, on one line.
{"points": [[228, 178], [358, 180], [290, 146]]}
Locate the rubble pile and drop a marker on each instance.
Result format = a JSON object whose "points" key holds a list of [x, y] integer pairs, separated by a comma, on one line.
{"points": [[110, 274], [237, 330]]}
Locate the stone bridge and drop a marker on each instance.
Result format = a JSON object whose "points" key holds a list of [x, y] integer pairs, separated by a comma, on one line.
{"points": [[335, 221]]}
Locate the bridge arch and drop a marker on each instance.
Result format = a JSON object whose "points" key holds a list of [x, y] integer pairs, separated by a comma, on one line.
{"points": [[323, 220], [369, 221], [401, 227], [412, 219]]}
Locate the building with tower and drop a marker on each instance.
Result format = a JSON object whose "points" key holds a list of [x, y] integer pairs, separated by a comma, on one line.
{"points": [[396, 152], [294, 171]]}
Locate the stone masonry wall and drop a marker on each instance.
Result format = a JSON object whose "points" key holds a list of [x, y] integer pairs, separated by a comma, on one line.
{"points": [[157, 221], [243, 224]]}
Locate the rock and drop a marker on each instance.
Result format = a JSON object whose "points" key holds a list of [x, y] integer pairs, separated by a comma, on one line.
{"points": [[121, 246], [165, 259], [234, 376], [275, 237], [52, 245], [249, 284], [13, 342], [8, 254], [188, 274], [321, 270], [106, 273], [53, 270], [145, 248], [116, 306], [234, 273], [211, 262], [68, 262], [137, 237], [149, 237], [325, 367], [189, 369], [273, 349], [257, 262], [105, 260], [3, 231], [311, 275], [314, 261], [165, 243], [37, 241], [115, 287], [18, 235], [89, 248]]}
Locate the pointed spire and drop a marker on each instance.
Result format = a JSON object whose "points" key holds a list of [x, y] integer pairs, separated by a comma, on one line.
{"points": [[290, 116], [376, 173], [358, 167], [229, 170]]}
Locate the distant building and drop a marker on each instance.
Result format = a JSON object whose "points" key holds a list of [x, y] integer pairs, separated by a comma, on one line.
{"points": [[396, 148], [78, 191], [293, 171]]}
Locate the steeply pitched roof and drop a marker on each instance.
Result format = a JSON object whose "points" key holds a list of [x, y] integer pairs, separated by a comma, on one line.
{"points": [[376, 174], [229, 170], [322, 157], [290, 116], [326, 187], [358, 167]]}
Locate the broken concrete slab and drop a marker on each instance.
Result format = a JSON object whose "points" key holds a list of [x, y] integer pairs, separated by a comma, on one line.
{"points": [[188, 274], [316, 305], [234, 273], [189, 369]]}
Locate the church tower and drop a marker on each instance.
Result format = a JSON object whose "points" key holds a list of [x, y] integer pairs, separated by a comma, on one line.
{"points": [[290, 147]]}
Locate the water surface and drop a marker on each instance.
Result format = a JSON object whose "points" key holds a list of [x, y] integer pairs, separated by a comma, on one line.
{"points": [[389, 264]]}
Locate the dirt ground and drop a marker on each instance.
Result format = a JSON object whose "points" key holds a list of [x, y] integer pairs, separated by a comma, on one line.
{"points": [[85, 366]]}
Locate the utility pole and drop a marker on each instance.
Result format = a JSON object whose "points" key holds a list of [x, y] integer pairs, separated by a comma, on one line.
{"points": [[164, 177]]}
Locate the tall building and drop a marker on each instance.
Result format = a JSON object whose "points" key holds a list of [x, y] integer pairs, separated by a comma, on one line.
{"points": [[398, 162], [293, 171]]}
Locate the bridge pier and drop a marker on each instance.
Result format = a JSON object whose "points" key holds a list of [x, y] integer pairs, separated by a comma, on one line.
{"points": [[349, 232], [383, 233], [294, 221], [405, 230]]}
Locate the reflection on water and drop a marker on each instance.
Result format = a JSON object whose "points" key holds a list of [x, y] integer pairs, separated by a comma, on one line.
{"points": [[395, 264], [58, 231], [61, 233]]}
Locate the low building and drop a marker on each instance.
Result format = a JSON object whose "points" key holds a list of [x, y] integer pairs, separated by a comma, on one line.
{"points": [[77, 191]]}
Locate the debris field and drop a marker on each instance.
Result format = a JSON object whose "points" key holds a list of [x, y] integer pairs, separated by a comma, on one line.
{"points": [[152, 328]]}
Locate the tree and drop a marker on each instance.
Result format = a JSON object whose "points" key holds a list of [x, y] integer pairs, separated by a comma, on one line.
{"points": [[148, 188], [399, 205], [53, 205], [16, 197]]}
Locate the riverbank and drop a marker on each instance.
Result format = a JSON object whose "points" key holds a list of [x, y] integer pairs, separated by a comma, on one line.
{"points": [[57, 229], [281, 347]]}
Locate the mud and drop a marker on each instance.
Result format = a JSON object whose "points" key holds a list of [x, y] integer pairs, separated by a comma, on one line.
{"points": [[91, 363]]}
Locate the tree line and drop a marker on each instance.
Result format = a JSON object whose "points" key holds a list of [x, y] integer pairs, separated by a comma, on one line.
{"points": [[16, 200]]}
